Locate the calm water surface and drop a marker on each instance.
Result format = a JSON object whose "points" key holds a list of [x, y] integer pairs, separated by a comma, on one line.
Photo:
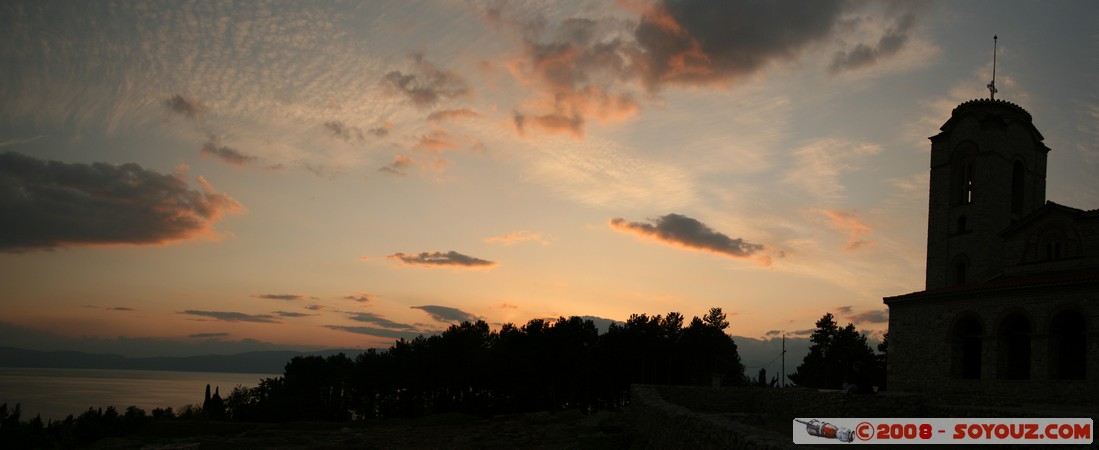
{"points": [[56, 393]]}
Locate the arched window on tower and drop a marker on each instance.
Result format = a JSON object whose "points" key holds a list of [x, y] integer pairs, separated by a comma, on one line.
{"points": [[1068, 345], [962, 225], [967, 182], [965, 353], [1018, 174], [1014, 348], [963, 172]]}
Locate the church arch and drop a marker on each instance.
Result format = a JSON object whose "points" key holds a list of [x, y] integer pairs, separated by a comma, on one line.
{"points": [[966, 347], [1014, 352]]}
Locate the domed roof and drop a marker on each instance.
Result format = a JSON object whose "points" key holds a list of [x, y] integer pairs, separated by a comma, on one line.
{"points": [[987, 108]]}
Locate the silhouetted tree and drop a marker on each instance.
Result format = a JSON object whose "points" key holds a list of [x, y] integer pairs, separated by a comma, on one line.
{"points": [[715, 318], [836, 356]]}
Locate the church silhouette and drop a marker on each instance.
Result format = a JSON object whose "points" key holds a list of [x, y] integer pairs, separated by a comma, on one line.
{"points": [[1011, 302]]}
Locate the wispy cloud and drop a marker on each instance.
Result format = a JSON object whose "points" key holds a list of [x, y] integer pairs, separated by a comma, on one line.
{"points": [[378, 320], [226, 154], [284, 297], [361, 298], [446, 314], [518, 236], [855, 228], [684, 232], [377, 332], [111, 308], [874, 316], [50, 204], [452, 114], [10, 142], [207, 335], [399, 166], [233, 316], [442, 259], [820, 164], [292, 314]]}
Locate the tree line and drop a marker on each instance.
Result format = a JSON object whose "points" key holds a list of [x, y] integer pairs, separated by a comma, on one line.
{"points": [[469, 368]]}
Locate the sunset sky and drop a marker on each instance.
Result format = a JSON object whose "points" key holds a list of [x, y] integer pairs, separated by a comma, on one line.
{"points": [[342, 174]]}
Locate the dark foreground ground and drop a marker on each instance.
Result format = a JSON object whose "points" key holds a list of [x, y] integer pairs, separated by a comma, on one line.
{"points": [[658, 417], [564, 429]]}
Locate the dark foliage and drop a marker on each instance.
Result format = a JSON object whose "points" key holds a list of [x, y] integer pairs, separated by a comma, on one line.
{"points": [[540, 366], [840, 356]]}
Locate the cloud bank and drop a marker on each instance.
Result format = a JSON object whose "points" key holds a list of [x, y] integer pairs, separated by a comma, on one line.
{"points": [[585, 69], [51, 204]]}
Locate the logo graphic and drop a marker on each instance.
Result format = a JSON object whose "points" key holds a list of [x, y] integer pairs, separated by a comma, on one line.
{"points": [[828, 431]]}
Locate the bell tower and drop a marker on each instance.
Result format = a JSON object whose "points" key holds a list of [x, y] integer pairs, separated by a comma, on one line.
{"points": [[988, 170]]}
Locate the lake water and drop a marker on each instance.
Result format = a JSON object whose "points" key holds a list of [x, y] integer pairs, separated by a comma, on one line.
{"points": [[56, 393]]}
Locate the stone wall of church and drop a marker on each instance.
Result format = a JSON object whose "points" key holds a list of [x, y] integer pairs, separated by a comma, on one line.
{"points": [[924, 356]]}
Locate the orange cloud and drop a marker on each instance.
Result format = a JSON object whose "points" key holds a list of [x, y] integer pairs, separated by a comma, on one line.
{"points": [[397, 167], [102, 204], [436, 141], [582, 69], [856, 229]]}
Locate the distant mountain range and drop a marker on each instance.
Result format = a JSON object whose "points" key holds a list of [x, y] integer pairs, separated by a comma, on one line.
{"points": [[263, 362]]}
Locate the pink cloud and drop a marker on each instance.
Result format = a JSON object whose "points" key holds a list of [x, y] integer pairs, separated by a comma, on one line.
{"points": [[856, 229]]}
